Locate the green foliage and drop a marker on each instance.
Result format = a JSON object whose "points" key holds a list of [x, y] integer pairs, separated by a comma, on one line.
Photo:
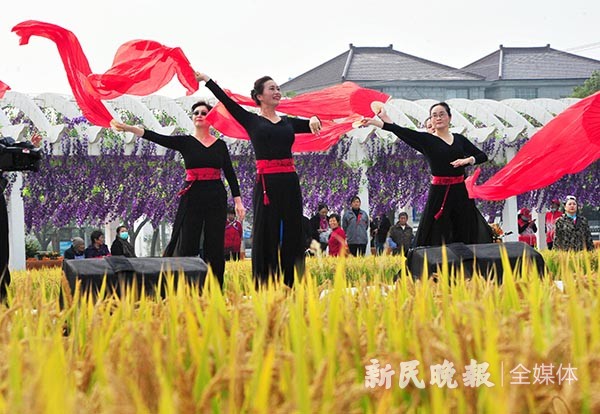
{"points": [[589, 87], [32, 246]]}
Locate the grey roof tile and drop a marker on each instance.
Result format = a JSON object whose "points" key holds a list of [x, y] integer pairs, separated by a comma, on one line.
{"points": [[374, 64], [533, 63]]}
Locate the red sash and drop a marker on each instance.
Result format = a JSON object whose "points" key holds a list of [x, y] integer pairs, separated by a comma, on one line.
{"points": [[199, 174], [263, 167], [447, 181]]}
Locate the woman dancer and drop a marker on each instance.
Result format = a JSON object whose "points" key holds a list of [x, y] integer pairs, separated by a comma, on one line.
{"points": [[203, 202], [277, 241], [450, 215]]}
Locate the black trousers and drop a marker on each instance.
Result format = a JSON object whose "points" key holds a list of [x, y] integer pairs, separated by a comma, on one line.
{"points": [[357, 249], [277, 236], [200, 210], [4, 248]]}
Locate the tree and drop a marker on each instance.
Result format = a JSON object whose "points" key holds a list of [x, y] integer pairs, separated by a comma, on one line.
{"points": [[589, 87]]}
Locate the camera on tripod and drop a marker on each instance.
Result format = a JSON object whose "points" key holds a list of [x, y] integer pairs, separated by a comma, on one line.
{"points": [[19, 156]]}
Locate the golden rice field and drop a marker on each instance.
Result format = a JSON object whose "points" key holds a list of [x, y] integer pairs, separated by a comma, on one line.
{"points": [[307, 349]]}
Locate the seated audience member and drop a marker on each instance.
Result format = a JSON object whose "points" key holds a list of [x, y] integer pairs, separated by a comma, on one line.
{"points": [[337, 239], [97, 248], [77, 249], [121, 245]]}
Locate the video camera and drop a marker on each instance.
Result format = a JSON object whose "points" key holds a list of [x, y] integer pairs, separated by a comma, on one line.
{"points": [[18, 156]]}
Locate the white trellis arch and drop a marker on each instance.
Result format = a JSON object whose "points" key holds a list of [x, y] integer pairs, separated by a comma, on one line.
{"points": [[507, 119]]}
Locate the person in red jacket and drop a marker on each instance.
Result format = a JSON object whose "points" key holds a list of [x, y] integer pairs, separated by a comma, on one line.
{"points": [[233, 236], [527, 227], [337, 240], [551, 217]]}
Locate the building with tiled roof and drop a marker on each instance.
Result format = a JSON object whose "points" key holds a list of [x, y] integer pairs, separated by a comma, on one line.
{"points": [[534, 72]]}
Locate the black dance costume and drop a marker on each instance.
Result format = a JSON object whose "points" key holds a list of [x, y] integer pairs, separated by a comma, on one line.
{"points": [[277, 228], [458, 220], [203, 206]]}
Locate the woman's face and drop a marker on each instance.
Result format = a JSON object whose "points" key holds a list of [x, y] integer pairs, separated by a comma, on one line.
{"points": [[199, 115], [271, 94], [571, 207], [323, 212], [429, 127], [333, 223], [439, 117]]}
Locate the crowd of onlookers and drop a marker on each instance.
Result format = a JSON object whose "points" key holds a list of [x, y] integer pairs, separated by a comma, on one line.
{"points": [[565, 229], [349, 233]]}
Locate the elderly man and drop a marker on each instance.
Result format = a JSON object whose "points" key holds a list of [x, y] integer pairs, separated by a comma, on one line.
{"points": [[77, 249]]}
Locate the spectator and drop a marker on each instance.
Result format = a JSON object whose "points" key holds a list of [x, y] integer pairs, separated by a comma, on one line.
{"points": [[572, 231], [527, 227], [337, 239], [233, 236], [401, 235], [319, 226], [121, 245], [551, 217], [77, 249], [356, 223], [380, 230], [97, 248], [428, 125]]}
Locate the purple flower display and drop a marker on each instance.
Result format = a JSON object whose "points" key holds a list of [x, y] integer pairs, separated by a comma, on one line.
{"points": [[398, 175], [76, 188]]}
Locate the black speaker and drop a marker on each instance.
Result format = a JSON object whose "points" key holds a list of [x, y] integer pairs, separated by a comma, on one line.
{"points": [[122, 272], [484, 259]]}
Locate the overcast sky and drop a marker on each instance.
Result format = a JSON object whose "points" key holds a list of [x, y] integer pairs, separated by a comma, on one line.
{"points": [[236, 42]]}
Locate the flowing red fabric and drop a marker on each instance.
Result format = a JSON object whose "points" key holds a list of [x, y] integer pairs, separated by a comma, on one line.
{"points": [[3, 88], [344, 103], [329, 135], [339, 101], [140, 67], [76, 66], [565, 145]]}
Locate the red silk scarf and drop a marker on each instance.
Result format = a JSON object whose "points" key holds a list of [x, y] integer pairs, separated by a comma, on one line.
{"points": [[140, 67], [565, 145], [3, 88]]}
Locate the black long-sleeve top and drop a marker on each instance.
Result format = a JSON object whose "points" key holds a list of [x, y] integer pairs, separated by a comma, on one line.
{"points": [[438, 153], [271, 141], [196, 155]]}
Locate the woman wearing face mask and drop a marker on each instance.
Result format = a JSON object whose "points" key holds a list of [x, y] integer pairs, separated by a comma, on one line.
{"points": [[203, 201], [121, 245], [450, 215], [572, 231], [277, 241]]}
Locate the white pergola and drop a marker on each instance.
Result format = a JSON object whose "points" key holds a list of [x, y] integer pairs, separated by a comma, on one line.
{"points": [[480, 120]]}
